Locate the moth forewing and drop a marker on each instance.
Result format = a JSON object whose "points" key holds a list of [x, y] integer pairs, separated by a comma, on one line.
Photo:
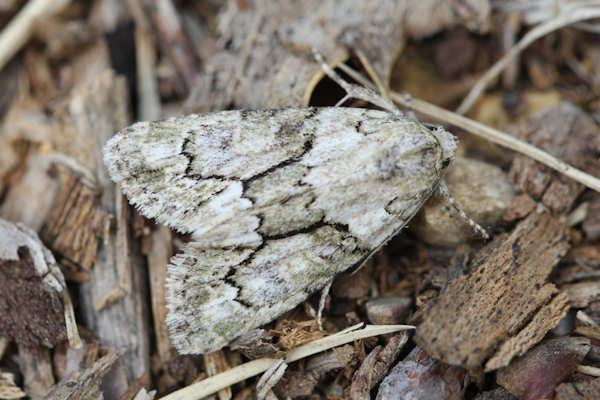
{"points": [[277, 202]]}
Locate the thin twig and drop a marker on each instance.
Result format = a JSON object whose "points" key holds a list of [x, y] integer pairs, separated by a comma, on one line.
{"points": [[569, 17], [18, 31], [237, 374], [484, 131]]}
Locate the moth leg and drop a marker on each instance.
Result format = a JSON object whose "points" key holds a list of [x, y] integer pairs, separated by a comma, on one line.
{"points": [[444, 191], [322, 300]]}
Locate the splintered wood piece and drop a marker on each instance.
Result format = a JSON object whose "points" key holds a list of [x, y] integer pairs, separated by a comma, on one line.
{"points": [[581, 294], [158, 258], [476, 313], [545, 319], [579, 390], [84, 385], [375, 366], [75, 226], [31, 289], [568, 133], [215, 363]]}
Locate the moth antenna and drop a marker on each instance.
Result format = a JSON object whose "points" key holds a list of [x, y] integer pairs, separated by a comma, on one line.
{"points": [[355, 91], [444, 191]]}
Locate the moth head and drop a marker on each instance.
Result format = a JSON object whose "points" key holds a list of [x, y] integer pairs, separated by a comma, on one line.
{"points": [[448, 143]]}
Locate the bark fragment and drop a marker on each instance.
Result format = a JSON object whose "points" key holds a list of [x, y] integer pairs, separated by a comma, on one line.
{"points": [[476, 313]]}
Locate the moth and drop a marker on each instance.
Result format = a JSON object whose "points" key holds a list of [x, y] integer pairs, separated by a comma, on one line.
{"points": [[277, 202]]}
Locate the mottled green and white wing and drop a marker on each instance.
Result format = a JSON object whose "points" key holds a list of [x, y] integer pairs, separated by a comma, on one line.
{"points": [[277, 203]]}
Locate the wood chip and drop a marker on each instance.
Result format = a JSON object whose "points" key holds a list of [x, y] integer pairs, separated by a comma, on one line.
{"points": [[568, 133], [84, 385], [521, 207], [114, 301], [476, 313], [581, 294], [579, 390], [8, 389], [31, 285], [545, 319], [75, 227], [375, 366]]}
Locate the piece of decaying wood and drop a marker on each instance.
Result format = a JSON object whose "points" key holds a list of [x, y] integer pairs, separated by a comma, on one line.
{"points": [[36, 365], [172, 38], [135, 387], [32, 285], [268, 63], [84, 385], [476, 313], [583, 390], [571, 135], [158, 259], [30, 199], [68, 360], [75, 227], [149, 109], [581, 294], [496, 394], [521, 207], [592, 332], [548, 316], [8, 388], [113, 301], [215, 363], [375, 366], [299, 383]]}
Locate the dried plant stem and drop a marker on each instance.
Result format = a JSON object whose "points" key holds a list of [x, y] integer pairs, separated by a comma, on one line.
{"points": [[237, 374], [568, 17], [17, 32], [588, 370], [488, 133]]}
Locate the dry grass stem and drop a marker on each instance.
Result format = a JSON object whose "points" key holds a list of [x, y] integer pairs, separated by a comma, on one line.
{"points": [[17, 32], [237, 374]]}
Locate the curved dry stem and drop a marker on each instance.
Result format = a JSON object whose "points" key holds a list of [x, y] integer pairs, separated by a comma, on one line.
{"points": [[569, 17]]}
